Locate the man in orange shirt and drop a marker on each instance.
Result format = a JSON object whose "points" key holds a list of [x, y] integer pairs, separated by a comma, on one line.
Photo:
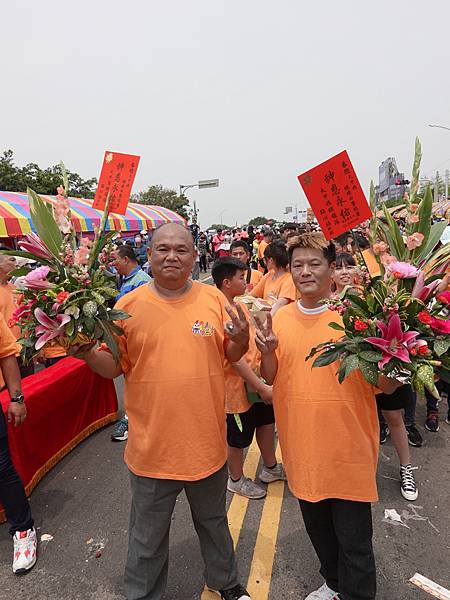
{"points": [[240, 250], [12, 493], [328, 431], [267, 239], [229, 276], [172, 355]]}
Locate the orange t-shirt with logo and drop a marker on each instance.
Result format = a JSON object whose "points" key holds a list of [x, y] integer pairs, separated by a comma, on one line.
{"points": [[173, 353], [235, 391], [269, 288], [328, 432], [8, 305], [8, 345]]}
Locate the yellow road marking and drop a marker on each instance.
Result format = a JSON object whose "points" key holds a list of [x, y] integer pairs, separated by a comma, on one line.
{"points": [[238, 505], [264, 553]]}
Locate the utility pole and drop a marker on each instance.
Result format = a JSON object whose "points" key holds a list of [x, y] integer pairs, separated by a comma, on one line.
{"points": [[436, 187], [447, 177]]}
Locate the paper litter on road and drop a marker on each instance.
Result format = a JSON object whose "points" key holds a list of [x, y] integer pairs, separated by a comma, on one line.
{"points": [[390, 514], [46, 537], [431, 587]]}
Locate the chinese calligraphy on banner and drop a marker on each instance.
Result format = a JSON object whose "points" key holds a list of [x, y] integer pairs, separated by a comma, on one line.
{"points": [[117, 177], [335, 195]]}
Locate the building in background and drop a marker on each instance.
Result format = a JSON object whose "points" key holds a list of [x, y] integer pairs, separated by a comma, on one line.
{"points": [[391, 183]]}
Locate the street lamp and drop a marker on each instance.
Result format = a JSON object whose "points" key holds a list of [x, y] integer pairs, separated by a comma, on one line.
{"points": [[205, 183], [221, 215], [440, 127]]}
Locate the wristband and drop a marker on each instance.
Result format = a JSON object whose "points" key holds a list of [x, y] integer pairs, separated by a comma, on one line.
{"points": [[19, 399]]}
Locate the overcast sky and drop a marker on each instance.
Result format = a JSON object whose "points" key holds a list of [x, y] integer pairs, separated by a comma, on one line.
{"points": [[250, 92]]}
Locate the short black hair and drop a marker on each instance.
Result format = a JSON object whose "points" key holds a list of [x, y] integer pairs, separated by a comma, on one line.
{"points": [[226, 268], [268, 233], [278, 252], [240, 244], [345, 258], [126, 251], [360, 241]]}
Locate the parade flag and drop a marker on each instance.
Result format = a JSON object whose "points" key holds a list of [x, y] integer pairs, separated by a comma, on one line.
{"points": [[117, 177], [335, 195]]}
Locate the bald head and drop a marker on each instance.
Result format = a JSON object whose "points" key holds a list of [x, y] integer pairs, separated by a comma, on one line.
{"points": [[173, 230]]}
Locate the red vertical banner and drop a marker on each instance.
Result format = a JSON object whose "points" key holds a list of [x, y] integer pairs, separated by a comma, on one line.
{"points": [[117, 178], [335, 195]]}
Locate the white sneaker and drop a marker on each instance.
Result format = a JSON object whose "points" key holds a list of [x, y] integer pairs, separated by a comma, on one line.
{"points": [[408, 485], [270, 475], [25, 550], [246, 487], [323, 593]]}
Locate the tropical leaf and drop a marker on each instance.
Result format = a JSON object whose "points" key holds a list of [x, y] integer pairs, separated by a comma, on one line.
{"points": [[416, 170], [444, 374], [45, 224], [117, 315], [371, 356], [369, 371], [327, 357], [396, 243], [423, 226], [237, 418], [24, 254], [441, 346], [350, 363], [110, 340], [336, 326]]}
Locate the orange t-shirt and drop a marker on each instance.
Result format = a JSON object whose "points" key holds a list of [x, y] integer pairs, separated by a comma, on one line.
{"points": [[260, 254], [235, 391], [269, 288], [8, 345], [255, 278], [173, 360], [328, 432], [8, 305]]}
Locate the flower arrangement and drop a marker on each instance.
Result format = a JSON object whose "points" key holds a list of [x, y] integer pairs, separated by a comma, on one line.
{"points": [[65, 301], [399, 324]]}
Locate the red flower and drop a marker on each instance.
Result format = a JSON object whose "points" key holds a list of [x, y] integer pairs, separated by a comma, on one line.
{"points": [[425, 317], [444, 297], [422, 350], [440, 325], [360, 325], [62, 297]]}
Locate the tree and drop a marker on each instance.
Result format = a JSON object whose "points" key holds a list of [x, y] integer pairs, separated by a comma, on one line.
{"points": [[258, 221], [165, 197], [221, 226], [17, 179]]}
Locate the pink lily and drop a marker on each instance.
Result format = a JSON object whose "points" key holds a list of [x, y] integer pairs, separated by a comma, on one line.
{"points": [[49, 328], [393, 342], [36, 246], [37, 279], [422, 291]]}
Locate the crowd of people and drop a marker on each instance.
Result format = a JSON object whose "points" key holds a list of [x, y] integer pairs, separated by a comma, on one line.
{"points": [[243, 374]]}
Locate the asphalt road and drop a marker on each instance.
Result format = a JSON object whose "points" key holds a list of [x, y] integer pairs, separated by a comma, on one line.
{"points": [[84, 501]]}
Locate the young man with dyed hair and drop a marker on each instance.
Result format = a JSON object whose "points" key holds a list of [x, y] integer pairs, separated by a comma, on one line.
{"points": [[229, 275], [328, 432]]}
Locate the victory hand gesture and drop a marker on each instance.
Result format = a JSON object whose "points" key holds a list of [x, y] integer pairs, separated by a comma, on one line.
{"points": [[266, 340], [237, 329]]}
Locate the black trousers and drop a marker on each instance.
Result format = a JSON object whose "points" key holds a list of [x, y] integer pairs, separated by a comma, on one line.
{"points": [[341, 533], [12, 493], [203, 263]]}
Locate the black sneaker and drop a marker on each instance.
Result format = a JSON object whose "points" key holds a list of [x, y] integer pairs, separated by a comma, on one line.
{"points": [[414, 437], [120, 433], [432, 422], [236, 593], [384, 432]]}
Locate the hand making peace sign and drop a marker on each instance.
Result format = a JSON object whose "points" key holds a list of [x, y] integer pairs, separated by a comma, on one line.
{"points": [[266, 340], [237, 329]]}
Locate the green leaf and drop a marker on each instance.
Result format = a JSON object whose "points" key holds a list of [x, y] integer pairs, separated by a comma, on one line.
{"points": [[350, 363], [110, 340], [396, 238], [20, 272], [45, 224], [435, 235], [117, 315], [327, 357], [336, 326], [416, 169], [444, 374], [441, 346], [24, 254], [371, 356], [341, 372], [369, 371], [423, 226], [237, 418], [70, 328], [425, 374]]}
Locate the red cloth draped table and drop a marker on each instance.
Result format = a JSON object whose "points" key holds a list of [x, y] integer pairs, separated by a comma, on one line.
{"points": [[65, 404]]}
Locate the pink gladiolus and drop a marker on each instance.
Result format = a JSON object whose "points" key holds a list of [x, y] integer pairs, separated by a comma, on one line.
{"points": [[387, 259], [49, 328], [440, 325], [37, 279], [402, 270], [422, 291], [393, 343], [413, 207], [34, 245], [414, 241], [380, 247], [413, 218]]}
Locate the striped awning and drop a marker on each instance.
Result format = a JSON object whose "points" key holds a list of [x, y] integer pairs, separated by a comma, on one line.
{"points": [[15, 220]]}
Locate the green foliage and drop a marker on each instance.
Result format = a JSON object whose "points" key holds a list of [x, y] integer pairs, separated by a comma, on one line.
{"points": [[46, 227], [165, 197], [258, 221], [44, 181]]}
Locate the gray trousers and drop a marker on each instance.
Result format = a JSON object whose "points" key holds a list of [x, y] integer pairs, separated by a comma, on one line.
{"points": [[152, 504]]}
